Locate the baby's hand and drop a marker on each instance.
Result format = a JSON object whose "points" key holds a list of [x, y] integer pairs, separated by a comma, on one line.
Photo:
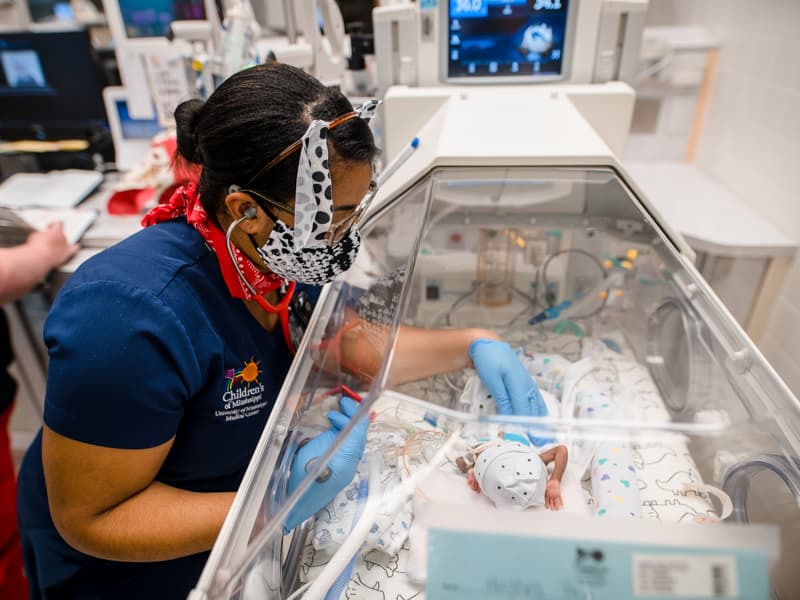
{"points": [[552, 495], [472, 481]]}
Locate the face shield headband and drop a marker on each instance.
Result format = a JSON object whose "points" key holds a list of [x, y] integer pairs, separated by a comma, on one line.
{"points": [[313, 199]]}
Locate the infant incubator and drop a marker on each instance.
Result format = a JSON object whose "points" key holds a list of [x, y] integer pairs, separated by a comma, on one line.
{"points": [[668, 411]]}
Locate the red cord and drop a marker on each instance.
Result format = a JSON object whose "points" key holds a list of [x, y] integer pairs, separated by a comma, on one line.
{"points": [[282, 308]]}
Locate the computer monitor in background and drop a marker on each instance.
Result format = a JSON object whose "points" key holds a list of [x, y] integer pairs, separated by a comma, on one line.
{"points": [[152, 18], [87, 12], [50, 10], [49, 86], [140, 30], [132, 137], [492, 41]]}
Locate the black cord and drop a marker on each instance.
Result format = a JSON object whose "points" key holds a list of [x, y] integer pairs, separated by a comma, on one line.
{"points": [[550, 298], [460, 300]]}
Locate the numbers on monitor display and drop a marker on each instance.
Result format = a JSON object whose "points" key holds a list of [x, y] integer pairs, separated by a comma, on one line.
{"points": [[495, 39], [547, 5]]}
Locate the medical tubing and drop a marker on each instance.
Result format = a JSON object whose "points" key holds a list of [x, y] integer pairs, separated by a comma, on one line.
{"points": [[338, 586], [299, 591], [356, 538], [465, 296], [349, 549], [586, 300], [293, 558], [543, 269], [446, 377]]}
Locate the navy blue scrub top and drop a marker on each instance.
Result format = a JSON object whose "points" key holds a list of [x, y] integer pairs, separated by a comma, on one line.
{"points": [[146, 343]]}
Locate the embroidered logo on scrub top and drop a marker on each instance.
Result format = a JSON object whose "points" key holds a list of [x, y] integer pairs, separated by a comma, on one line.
{"points": [[244, 393]]}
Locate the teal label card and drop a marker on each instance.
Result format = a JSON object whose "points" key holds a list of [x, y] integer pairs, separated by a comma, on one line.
{"points": [[469, 565]]}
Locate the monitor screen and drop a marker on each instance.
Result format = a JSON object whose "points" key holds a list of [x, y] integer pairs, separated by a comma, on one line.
{"points": [[152, 18], [506, 39], [136, 129], [48, 82], [49, 10]]}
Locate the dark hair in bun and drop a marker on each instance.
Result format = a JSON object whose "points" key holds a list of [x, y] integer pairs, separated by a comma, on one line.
{"points": [[186, 116], [250, 119]]}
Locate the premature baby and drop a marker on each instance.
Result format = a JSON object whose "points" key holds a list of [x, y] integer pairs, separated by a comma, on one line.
{"points": [[513, 474]]}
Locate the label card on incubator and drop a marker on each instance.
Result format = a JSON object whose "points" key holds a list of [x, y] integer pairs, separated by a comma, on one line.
{"points": [[682, 576], [472, 553], [466, 564]]}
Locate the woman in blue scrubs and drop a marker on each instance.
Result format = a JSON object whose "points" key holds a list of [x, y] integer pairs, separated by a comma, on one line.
{"points": [[124, 490]]}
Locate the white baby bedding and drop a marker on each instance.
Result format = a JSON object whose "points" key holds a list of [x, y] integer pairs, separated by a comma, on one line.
{"points": [[404, 439], [666, 475]]}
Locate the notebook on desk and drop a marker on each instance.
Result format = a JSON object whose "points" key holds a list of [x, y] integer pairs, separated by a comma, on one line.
{"points": [[17, 224], [56, 189]]}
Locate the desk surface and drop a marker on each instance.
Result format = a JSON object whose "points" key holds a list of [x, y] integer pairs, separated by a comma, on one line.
{"points": [[711, 218], [106, 230]]}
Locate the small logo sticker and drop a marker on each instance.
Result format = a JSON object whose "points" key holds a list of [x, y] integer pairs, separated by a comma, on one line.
{"points": [[244, 392]]}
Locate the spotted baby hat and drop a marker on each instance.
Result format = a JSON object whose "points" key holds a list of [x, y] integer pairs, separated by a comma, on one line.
{"points": [[512, 475]]}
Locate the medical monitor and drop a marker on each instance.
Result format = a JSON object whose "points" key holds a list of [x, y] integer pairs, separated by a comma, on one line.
{"points": [[152, 18], [49, 86], [494, 41], [50, 10]]}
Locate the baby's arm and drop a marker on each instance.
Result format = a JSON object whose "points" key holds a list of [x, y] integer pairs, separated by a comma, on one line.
{"points": [[559, 455], [552, 495], [472, 481]]}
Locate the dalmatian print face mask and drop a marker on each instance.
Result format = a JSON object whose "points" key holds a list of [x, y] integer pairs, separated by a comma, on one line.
{"points": [[304, 254], [313, 198], [316, 265]]}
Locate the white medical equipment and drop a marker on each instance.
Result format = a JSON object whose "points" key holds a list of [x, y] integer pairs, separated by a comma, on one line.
{"points": [[320, 52], [557, 214], [156, 72], [153, 69], [430, 43], [132, 137], [593, 46]]}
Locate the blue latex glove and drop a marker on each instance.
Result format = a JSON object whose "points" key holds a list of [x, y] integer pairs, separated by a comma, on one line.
{"points": [[513, 389], [342, 467]]}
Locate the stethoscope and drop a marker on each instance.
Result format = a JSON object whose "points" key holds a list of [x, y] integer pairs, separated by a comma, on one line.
{"points": [[287, 289]]}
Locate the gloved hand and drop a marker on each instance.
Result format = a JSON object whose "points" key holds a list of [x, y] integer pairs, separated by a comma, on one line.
{"points": [[341, 468], [513, 389]]}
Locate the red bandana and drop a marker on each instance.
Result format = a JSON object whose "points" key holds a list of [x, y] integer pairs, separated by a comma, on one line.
{"points": [[186, 201]]}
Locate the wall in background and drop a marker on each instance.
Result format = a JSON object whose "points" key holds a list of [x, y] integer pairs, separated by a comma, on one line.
{"points": [[750, 141]]}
